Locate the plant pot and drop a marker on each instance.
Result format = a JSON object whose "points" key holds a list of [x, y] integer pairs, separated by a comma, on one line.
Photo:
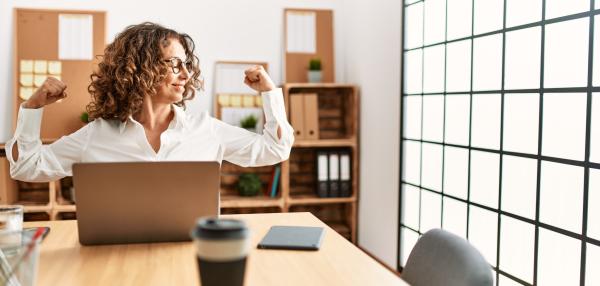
{"points": [[314, 76]]}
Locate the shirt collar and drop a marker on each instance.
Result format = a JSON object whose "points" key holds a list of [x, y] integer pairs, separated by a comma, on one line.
{"points": [[178, 121]]}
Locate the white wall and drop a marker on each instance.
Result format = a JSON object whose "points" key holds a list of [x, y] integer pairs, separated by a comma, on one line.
{"points": [[373, 33], [222, 30]]}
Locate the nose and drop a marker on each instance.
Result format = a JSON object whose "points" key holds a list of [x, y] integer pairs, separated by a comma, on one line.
{"points": [[184, 74]]}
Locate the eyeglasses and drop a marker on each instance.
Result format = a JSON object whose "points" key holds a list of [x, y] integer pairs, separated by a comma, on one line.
{"points": [[177, 64]]}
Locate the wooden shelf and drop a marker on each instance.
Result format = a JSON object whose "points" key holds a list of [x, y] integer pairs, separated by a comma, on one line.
{"points": [[314, 200], [250, 202], [317, 85], [34, 208], [64, 208], [351, 142]]}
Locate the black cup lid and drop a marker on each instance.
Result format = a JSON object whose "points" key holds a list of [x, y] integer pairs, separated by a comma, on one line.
{"points": [[215, 229]]}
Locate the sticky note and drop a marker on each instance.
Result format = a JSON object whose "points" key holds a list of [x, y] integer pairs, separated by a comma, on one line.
{"points": [[26, 79], [223, 99], [40, 66], [248, 100], [25, 92], [39, 79], [258, 101], [26, 66], [54, 67], [235, 100], [56, 76]]}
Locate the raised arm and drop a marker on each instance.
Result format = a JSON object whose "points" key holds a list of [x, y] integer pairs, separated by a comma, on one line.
{"points": [[246, 148], [29, 159]]}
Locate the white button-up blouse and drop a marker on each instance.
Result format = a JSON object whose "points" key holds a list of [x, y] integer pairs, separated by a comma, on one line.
{"points": [[188, 138]]}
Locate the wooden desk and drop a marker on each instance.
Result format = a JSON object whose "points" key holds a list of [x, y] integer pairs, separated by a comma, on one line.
{"points": [[64, 261]]}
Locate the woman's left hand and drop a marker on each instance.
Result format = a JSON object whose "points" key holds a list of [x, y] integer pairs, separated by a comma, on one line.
{"points": [[258, 79]]}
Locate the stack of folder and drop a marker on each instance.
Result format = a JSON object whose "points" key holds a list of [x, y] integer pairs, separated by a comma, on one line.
{"points": [[334, 174]]}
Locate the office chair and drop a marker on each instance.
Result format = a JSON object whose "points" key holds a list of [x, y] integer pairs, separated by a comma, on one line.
{"points": [[442, 258]]}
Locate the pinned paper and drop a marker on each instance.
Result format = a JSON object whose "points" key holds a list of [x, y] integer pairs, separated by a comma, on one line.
{"points": [[235, 100], [258, 101], [26, 79], [248, 101], [26, 66], [301, 32], [223, 99], [75, 40], [39, 79], [56, 76], [25, 92], [40, 66], [54, 67]]}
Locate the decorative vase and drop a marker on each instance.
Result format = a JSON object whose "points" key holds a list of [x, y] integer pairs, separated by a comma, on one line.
{"points": [[314, 76]]}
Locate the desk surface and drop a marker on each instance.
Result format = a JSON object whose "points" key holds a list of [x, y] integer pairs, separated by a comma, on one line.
{"points": [[63, 261]]}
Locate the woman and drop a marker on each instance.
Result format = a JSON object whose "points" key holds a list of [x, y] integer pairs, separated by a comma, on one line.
{"points": [[138, 94]]}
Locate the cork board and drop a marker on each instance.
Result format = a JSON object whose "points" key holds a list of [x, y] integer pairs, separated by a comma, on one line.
{"points": [[296, 63], [37, 39]]}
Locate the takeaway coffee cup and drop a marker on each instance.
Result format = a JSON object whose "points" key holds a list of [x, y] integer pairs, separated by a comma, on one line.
{"points": [[222, 247]]}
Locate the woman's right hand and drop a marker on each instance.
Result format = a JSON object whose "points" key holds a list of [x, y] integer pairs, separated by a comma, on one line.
{"points": [[51, 91]]}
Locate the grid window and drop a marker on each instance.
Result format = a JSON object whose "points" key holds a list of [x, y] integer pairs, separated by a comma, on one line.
{"points": [[457, 117], [485, 125], [488, 15], [564, 136], [566, 52], [594, 205], [431, 211], [519, 12], [410, 206], [506, 102], [432, 166], [487, 62], [483, 230], [557, 8], [459, 18], [456, 171], [409, 239], [413, 75], [558, 259], [505, 281], [521, 121], [458, 68], [596, 65], [522, 59], [592, 275], [519, 181], [455, 217], [561, 196], [595, 129], [435, 21], [484, 178], [433, 118], [517, 244], [412, 113], [414, 18], [433, 75], [412, 162]]}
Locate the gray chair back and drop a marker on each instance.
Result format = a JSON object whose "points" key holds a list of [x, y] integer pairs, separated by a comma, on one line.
{"points": [[442, 258]]}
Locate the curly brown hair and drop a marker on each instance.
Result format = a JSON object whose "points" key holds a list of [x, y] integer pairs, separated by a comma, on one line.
{"points": [[132, 66]]}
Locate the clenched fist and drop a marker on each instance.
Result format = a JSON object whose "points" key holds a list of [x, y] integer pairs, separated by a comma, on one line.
{"points": [[258, 79], [51, 90]]}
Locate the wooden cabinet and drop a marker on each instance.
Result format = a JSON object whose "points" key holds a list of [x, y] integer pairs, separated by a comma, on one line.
{"points": [[337, 121]]}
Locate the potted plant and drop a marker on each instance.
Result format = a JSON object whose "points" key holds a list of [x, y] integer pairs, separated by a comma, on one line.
{"points": [[314, 70], [249, 184], [85, 117], [249, 122]]}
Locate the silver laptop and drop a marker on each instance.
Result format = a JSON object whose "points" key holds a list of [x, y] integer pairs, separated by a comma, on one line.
{"points": [[134, 202]]}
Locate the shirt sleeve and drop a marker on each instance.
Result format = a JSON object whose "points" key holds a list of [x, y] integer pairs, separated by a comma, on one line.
{"points": [[249, 149], [43, 163]]}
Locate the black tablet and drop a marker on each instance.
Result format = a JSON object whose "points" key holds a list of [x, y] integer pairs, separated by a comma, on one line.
{"points": [[293, 237]]}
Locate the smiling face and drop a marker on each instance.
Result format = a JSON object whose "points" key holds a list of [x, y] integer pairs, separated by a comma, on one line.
{"points": [[172, 88]]}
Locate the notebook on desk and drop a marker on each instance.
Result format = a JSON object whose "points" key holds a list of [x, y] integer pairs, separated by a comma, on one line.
{"points": [[135, 202]]}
